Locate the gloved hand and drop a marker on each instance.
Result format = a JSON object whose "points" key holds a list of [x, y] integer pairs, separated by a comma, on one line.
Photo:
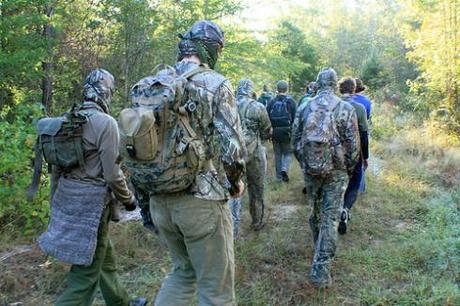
{"points": [[132, 205]]}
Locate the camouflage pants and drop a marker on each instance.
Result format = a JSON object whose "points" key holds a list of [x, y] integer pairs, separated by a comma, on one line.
{"points": [[198, 234], [325, 195], [256, 169]]}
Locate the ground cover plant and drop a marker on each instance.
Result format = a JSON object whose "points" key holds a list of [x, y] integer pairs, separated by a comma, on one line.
{"points": [[402, 248]]}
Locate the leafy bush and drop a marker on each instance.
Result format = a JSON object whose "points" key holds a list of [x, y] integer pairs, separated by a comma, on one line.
{"points": [[16, 144]]}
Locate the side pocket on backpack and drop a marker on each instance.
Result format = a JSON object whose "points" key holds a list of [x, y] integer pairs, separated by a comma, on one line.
{"points": [[196, 154]]}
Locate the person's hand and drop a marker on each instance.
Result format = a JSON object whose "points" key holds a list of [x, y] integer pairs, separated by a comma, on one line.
{"points": [[132, 205], [240, 191], [365, 164]]}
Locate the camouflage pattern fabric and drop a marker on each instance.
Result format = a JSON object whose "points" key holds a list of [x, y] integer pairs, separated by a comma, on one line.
{"points": [[295, 124], [347, 127], [254, 117], [98, 87], [256, 128], [216, 121], [325, 194], [204, 39], [196, 224]]}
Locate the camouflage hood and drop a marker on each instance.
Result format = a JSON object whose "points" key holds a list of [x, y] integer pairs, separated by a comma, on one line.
{"points": [[245, 88], [205, 39], [98, 87], [327, 80]]}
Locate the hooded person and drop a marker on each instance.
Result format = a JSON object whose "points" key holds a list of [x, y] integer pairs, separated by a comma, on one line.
{"points": [[257, 129], [195, 223], [328, 150], [78, 232]]}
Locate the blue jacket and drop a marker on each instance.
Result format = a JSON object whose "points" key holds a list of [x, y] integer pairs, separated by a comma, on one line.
{"points": [[364, 101]]}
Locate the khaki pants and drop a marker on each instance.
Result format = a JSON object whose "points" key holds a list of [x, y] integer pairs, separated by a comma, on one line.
{"points": [[198, 234], [83, 281]]}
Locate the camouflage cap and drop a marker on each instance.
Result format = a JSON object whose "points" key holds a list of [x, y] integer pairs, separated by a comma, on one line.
{"points": [[327, 78], [245, 88], [207, 31], [98, 87], [282, 86]]}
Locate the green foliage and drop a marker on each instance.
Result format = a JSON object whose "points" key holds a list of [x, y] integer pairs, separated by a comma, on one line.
{"points": [[297, 57], [431, 30], [16, 144]]}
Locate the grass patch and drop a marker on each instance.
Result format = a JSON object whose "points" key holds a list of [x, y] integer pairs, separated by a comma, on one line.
{"points": [[403, 246]]}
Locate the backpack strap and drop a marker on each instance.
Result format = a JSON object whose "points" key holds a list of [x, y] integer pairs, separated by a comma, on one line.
{"points": [[195, 71], [246, 107], [183, 114], [38, 163]]}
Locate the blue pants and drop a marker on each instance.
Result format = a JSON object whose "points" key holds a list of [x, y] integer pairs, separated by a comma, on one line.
{"points": [[351, 194]]}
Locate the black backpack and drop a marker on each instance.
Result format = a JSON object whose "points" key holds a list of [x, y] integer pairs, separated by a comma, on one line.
{"points": [[279, 113], [280, 117]]}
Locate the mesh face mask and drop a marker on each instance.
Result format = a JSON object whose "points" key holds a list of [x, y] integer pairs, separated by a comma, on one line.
{"points": [[204, 39]]}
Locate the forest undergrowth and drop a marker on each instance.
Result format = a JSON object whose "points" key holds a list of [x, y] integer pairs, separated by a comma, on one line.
{"points": [[402, 248]]}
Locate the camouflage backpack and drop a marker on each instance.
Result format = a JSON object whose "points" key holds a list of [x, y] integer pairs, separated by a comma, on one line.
{"points": [[322, 149], [60, 143], [250, 131], [159, 145]]}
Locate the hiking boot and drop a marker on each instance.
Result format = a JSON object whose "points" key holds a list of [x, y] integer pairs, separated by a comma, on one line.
{"points": [[140, 301], [115, 215], [284, 176], [343, 221]]}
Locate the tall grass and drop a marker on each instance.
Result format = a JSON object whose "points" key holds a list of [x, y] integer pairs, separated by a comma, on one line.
{"points": [[402, 248]]}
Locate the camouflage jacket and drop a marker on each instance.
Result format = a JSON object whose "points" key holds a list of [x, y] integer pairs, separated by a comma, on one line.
{"points": [[255, 121], [347, 127], [216, 121], [302, 105]]}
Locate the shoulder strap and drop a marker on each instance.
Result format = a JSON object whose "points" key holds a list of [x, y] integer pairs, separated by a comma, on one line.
{"points": [[183, 115], [38, 162], [195, 71], [246, 107]]}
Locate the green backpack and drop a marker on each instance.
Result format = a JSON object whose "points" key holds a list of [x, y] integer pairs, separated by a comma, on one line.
{"points": [[60, 143], [159, 146]]}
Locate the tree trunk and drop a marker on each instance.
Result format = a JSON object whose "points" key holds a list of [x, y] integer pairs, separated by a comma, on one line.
{"points": [[47, 65]]}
